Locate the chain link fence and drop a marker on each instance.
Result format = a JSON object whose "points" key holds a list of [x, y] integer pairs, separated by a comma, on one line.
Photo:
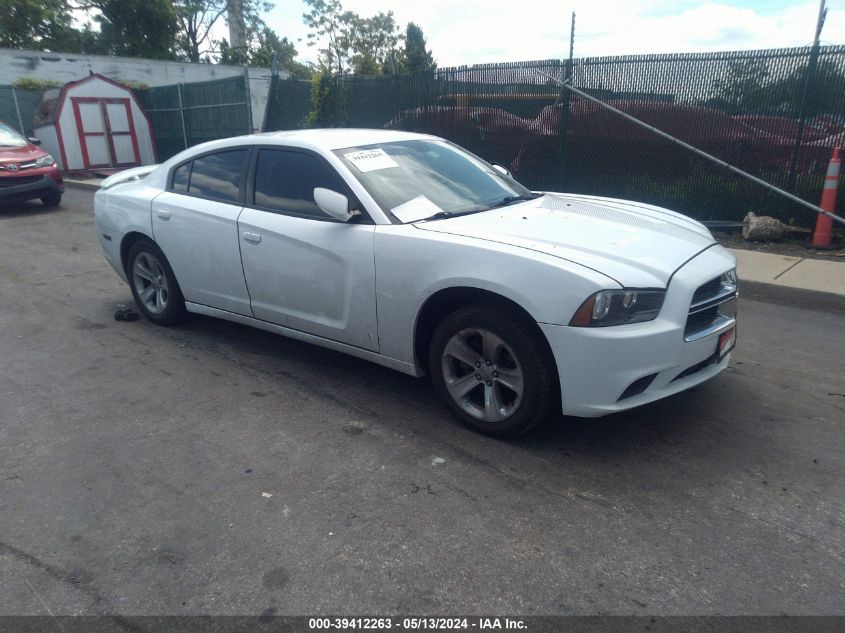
{"points": [[184, 115], [743, 107]]}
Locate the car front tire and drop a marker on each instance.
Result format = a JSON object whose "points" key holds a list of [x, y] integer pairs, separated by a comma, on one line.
{"points": [[154, 286], [52, 199], [494, 370]]}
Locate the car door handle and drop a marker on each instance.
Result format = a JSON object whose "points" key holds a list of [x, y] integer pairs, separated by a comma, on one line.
{"points": [[164, 215], [251, 237]]}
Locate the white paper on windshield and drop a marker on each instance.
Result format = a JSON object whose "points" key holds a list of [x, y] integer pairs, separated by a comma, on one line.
{"points": [[371, 160], [415, 209]]}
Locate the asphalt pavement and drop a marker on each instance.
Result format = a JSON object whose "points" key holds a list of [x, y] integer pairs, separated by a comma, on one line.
{"points": [[216, 469]]}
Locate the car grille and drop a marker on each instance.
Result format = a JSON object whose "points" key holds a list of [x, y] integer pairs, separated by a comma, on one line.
{"points": [[708, 290], [713, 305], [14, 181]]}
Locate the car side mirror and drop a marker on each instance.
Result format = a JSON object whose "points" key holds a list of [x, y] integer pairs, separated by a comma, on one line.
{"points": [[333, 203], [502, 170], [33, 140]]}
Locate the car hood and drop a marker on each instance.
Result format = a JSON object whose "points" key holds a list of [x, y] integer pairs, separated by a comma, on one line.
{"points": [[20, 154], [637, 245]]}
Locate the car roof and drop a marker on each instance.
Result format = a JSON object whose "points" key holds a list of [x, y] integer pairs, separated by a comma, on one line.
{"points": [[315, 139], [338, 138]]}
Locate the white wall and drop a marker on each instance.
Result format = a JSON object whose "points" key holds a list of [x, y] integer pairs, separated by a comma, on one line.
{"points": [[64, 67]]}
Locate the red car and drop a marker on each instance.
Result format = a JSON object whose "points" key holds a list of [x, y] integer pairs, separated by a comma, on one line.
{"points": [[27, 172]]}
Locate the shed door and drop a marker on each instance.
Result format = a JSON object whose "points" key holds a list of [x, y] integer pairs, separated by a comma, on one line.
{"points": [[106, 132]]}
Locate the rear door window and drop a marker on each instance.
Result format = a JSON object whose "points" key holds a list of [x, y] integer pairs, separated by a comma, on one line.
{"points": [[217, 176]]}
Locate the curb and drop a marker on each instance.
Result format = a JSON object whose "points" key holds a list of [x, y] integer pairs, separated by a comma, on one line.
{"points": [[81, 184], [798, 297]]}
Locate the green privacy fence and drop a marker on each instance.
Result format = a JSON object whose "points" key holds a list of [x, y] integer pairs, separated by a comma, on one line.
{"points": [[288, 104], [184, 115], [18, 106], [743, 107]]}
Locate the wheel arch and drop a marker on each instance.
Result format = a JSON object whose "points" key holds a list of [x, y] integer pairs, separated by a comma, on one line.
{"points": [[127, 243], [446, 300]]}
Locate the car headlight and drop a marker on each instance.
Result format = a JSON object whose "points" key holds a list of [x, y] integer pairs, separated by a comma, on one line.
{"points": [[45, 161], [615, 307]]}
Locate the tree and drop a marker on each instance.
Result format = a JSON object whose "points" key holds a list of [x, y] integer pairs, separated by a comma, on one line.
{"points": [[825, 97], [328, 101], [81, 41], [742, 90], [418, 58], [373, 42], [330, 24], [234, 56], [271, 45], [199, 19], [367, 46], [33, 23], [137, 28], [749, 88]]}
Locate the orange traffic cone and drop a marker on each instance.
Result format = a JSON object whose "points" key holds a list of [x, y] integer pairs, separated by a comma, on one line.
{"points": [[824, 223]]}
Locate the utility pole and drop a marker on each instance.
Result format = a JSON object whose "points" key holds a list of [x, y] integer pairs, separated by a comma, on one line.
{"points": [[808, 89], [237, 26], [564, 106]]}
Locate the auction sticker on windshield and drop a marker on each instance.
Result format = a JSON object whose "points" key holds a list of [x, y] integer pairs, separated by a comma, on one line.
{"points": [[371, 160]]}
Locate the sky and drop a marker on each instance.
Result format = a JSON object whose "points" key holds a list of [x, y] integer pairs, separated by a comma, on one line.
{"points": [[485, 31]]}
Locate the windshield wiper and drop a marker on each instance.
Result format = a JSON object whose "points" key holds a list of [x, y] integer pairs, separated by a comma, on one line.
{"points": [[437, 216], [501, 203], [507, 200]]}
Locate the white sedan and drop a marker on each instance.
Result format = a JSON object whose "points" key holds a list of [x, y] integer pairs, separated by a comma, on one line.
{"points": [[406, 250]]}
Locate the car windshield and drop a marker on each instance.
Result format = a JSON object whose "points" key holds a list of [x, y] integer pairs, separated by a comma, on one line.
{"points": [[10, 138], [422, 179]]}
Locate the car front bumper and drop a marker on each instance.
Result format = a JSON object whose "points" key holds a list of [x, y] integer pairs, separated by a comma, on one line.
{"points": [[599, 367], [30, 184]]}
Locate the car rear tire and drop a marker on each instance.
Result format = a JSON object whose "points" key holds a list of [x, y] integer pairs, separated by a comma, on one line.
{"points": [[153, 284], [494, 370], [52, 199]]}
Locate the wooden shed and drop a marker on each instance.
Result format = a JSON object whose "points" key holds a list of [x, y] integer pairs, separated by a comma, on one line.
{"points": [[94, 123]]}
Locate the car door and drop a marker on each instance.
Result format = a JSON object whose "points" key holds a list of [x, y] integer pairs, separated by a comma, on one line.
{"points": [[305, 270], [195, 224]]}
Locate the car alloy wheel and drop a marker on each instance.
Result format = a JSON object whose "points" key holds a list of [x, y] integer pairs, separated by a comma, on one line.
{"points": [[482, 374], [150, 282]]}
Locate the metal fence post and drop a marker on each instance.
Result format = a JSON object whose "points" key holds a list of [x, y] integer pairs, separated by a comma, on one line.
{"points": [[248, 100], [271, 90], [802, 118], [18, 111], [808, 90], [564, 127], [564, 106], [182, 116]]}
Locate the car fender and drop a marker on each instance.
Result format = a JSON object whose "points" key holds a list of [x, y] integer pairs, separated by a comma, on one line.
{"points": [[120, 211], [413, 265]]}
